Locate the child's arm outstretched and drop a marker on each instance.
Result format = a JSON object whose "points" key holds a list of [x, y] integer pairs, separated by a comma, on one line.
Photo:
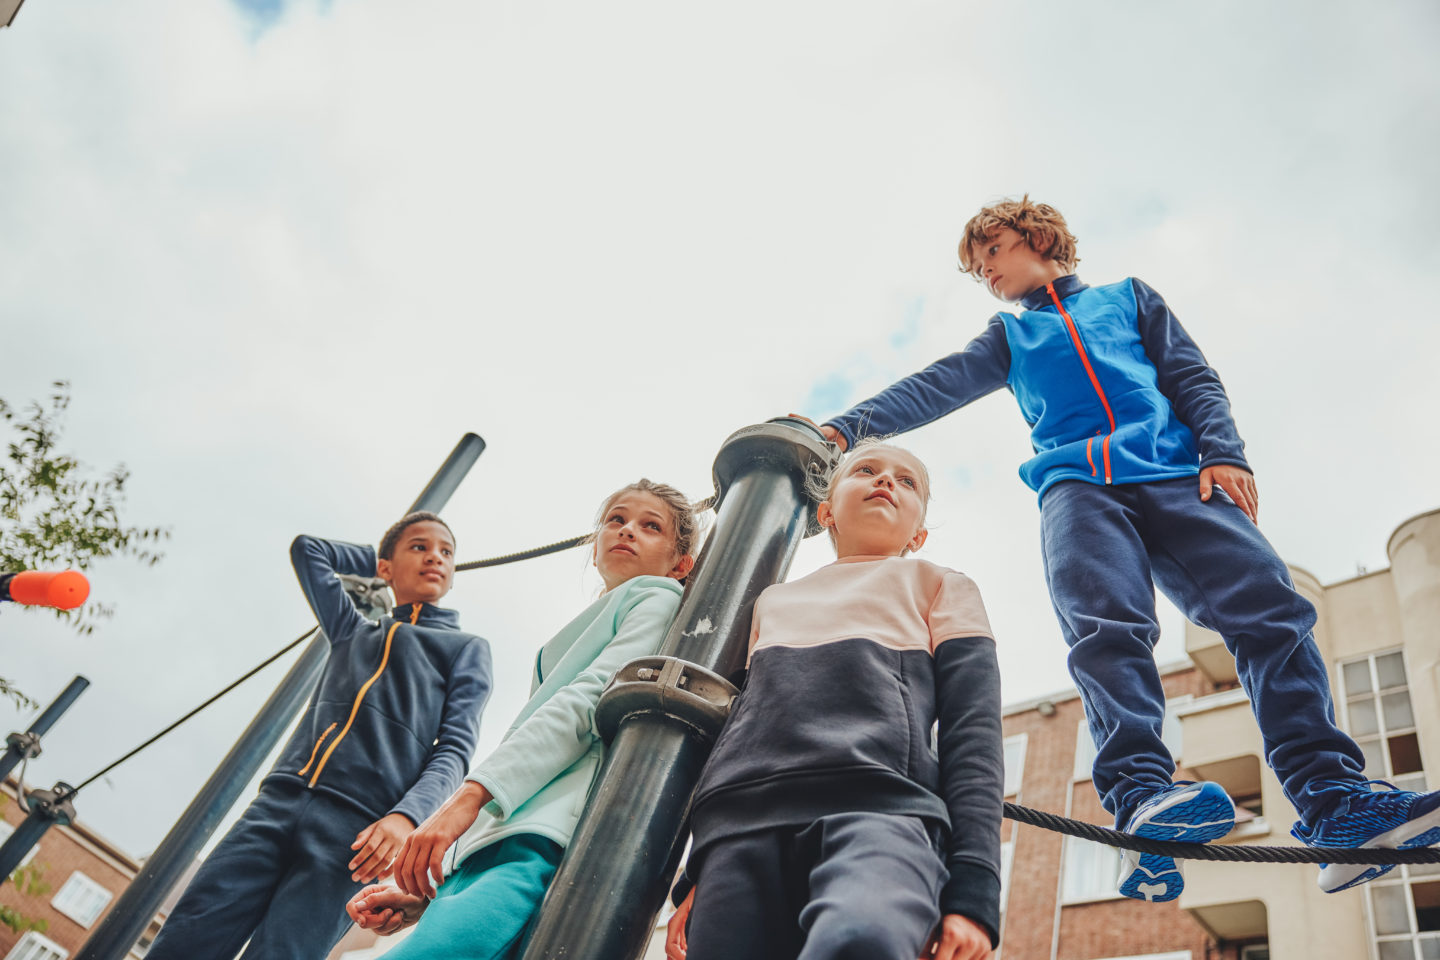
{"points": [[541, 745], [944, 386], [972, 769], [1194, 390]]}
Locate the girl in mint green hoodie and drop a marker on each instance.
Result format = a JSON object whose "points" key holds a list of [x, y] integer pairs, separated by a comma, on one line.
{"points": [[497, 840]]}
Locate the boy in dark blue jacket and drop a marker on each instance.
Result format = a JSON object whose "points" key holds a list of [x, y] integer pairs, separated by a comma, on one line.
{"points": [[1124, 413], [388, 735]]}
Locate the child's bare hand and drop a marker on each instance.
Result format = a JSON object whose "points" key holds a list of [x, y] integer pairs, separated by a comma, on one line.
{"points": [[378, 844], [957, 938], [675, 945], [423, 855], [1236, 481], [835, 437], [385, 909]]}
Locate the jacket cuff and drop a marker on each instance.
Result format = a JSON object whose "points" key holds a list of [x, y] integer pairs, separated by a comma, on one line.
{"points": [[973, 891], [1225, 459]]}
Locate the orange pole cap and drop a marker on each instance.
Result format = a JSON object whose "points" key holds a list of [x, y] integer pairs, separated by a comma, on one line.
{"points": [[64, 589]]}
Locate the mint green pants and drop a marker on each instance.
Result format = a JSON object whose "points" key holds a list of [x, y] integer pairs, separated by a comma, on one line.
{"points": [[482, 910]]}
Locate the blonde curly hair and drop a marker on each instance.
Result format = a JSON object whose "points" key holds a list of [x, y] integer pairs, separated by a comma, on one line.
{"points": [[1040, 224]]}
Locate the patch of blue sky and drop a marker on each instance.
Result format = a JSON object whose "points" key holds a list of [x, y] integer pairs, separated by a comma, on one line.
{"points": [[960, 478], [831, 395], [266, 13], [909, 330]]}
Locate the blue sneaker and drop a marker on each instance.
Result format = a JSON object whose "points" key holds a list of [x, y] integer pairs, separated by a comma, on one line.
{"points": [[1184, 811], [1401, 819]]}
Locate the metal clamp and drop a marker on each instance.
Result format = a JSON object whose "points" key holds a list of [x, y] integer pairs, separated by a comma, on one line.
{"points": [[25, 746], [678, 689], [53, 805]]}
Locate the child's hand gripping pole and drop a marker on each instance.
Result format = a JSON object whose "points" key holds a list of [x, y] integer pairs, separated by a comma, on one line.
{"points": [[64, 589]]}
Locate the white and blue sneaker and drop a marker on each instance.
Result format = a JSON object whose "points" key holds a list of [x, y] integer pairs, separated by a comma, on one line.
{"points": [[1185, 811], [1400, 819]]}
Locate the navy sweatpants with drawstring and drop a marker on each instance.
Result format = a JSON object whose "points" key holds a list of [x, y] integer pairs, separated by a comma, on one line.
{"points": [[280, 878], [1104, 546]]}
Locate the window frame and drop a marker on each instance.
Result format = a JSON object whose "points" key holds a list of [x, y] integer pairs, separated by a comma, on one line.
{"points": [[33, 938], [81, 887]]}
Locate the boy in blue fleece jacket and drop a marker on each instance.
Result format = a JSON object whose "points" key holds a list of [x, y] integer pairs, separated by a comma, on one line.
{"points": [[387, 736], [1124, 414]]}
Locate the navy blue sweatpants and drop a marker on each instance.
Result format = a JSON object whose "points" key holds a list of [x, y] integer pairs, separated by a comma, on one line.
{"points": [[854, 885], [1103, 545], [279, 877]]}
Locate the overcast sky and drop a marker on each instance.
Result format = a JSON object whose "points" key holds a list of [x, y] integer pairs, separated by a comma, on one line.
{"points": [[288, 252]]}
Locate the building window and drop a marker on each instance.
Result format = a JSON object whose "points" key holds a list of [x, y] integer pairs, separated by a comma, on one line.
{"points": [[1378, 716], [1014, 763], [1091, 871], [1173, 955], [81, 899], [1255, 951], [33, 946], [1007, 860], [1169, 733], [1404, 913], [142, 946]]}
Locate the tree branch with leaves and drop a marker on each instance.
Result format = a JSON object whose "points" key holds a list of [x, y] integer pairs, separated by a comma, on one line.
{"points": [[55, 513]]}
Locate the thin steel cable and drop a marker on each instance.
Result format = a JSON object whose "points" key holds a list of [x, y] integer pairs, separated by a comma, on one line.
{"points": [[555, 547], [261, 666]]}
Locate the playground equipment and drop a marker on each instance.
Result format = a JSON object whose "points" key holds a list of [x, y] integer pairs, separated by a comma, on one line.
{"points": [[660, 715], [127, 920], [63, 590], [665, 711]]}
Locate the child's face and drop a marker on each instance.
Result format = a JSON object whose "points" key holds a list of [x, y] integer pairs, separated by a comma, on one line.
{"points": [[637, 537], [1010, 267], [423, 565], [877, 507]]}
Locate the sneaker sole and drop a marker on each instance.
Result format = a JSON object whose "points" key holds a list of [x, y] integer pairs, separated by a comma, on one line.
{"points": [[1199, 818], [1421, 832]]}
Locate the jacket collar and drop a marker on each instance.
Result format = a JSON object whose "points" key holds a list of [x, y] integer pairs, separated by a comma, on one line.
{"points": [[430, 615], [1065, 287]]}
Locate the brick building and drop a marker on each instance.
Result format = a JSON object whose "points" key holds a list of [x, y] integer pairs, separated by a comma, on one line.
{"points": [[84, 872], [1379, 633]]}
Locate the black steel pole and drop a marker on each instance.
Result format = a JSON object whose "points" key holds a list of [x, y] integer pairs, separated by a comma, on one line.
{"points": [[667, 709], [131, 914], [47, 808], [26, 746]]}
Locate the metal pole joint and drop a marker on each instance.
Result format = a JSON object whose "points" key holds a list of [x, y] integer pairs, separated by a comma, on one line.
{"points": [[53, 805], [791, 444], [676, 689], [25, 746]]}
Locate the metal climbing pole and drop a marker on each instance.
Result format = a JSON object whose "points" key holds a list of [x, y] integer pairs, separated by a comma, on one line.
{"points": [[665, 711], [131, 914]]}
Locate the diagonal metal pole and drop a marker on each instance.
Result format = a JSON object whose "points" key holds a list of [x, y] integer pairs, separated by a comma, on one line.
{"points": [[26, 746], [612, 881], [131, 914]]}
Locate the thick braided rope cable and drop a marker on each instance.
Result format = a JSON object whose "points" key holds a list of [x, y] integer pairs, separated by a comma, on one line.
{"points": [[1205, 851], [555, 547]]}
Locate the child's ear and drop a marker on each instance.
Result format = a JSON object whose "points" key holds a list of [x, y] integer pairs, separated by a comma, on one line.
{"points": [[824, 514], [918, 541], [682, 569], [1041, 239], [384, 571]]}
